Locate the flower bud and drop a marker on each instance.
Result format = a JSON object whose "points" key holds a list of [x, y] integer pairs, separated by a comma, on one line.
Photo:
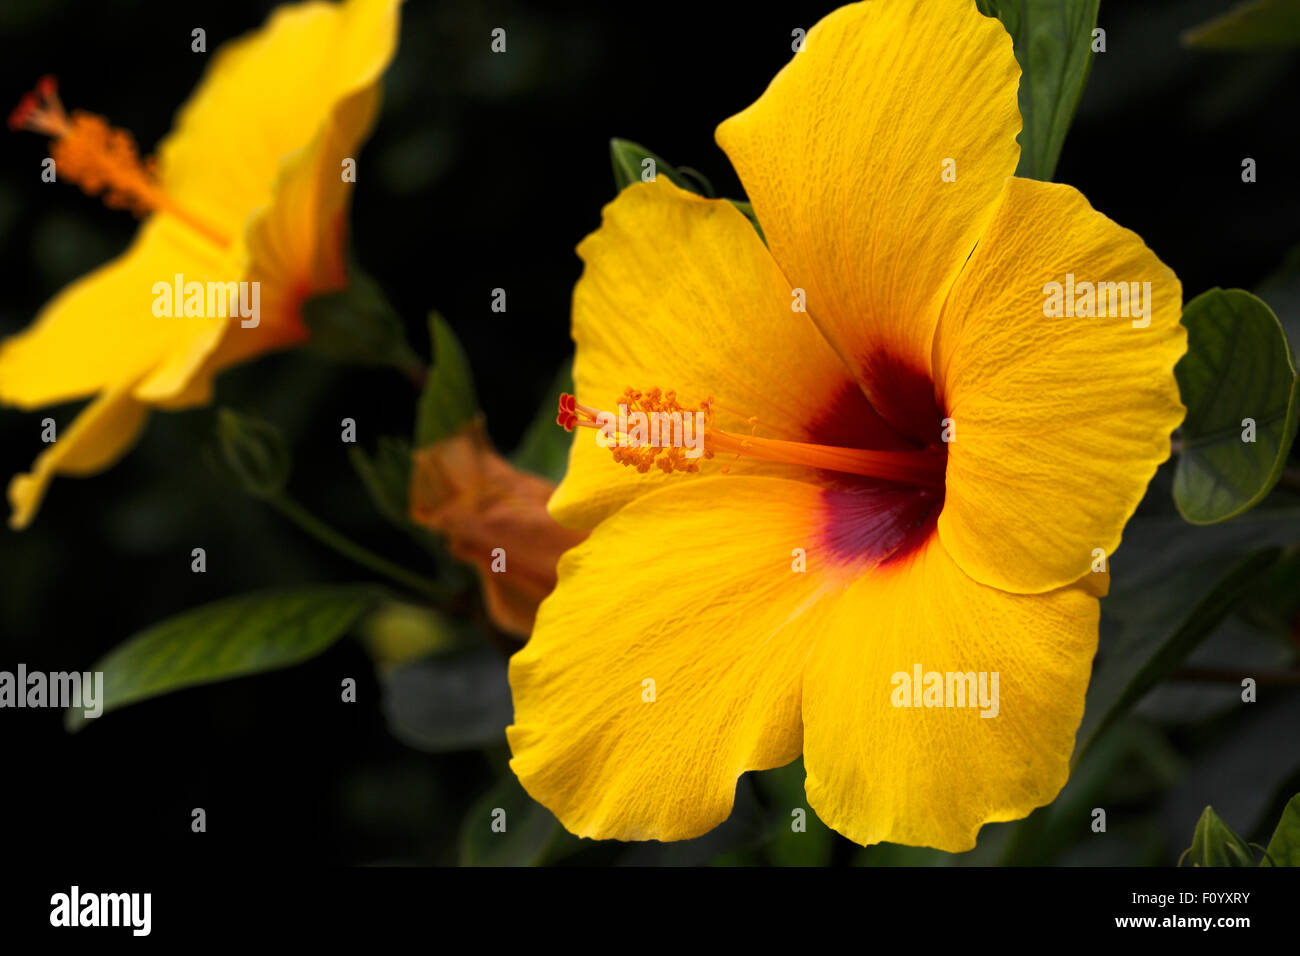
{"points": [[252, 454], [491, 512]]}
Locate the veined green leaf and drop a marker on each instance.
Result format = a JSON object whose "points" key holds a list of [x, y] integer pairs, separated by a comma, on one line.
{"points": [[1238, 381], [1053, 45], [244, 635]]}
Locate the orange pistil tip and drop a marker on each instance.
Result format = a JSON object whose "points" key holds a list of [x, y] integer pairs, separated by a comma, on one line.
{"points": [[40, 110], [567, 417]]}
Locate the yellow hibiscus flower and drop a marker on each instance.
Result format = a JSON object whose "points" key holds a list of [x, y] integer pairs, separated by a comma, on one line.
{"points": [[911, 478], [248, 188]]}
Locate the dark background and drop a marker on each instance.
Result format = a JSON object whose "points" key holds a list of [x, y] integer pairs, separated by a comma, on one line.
{"points": [[484, 171]]}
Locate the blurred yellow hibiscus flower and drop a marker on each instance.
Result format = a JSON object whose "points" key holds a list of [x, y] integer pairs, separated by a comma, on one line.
{"points": [[915, 476], [251, 186]]}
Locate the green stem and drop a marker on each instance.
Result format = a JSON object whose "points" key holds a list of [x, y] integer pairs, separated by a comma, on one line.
{"points": [[412, 366], [345, 546]]}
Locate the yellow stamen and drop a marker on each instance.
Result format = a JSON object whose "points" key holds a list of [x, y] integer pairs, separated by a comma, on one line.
{"points": [[99, 158]]}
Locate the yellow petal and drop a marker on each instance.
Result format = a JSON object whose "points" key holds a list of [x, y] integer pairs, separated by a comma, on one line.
{"points": [[1060, 422], [105, 429], [685, 589], [299, 237], [844, 156], [266, 96], [101, 331], [931, 776], [296, 244], [679, 292]]}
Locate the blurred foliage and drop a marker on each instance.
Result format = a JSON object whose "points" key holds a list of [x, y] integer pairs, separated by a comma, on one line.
{"points": [[447, 402], [359, 324], [1249, 25], [250, 454], [544, 449]]}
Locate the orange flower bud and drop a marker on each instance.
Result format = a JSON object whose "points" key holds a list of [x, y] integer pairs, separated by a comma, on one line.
{"points": [[494, 517]]}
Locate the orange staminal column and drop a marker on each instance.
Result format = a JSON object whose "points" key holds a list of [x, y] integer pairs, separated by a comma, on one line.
{"points": [[921, 467]]}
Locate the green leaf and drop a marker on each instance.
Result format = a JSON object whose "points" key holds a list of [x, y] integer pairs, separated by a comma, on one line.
{"points": [[1146, 652], [448, 402], [1215, 844], [1255, 23], [1275, 603], [628, 159], [544, 449], [453, 701], [231, 638], [813, 842], [699, 182], [357, 324], [896, 854], [386, 476], [1238, 368], [1284, 848], [528, 828], [1053, 45], [1171, 585], [630, 164]]}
